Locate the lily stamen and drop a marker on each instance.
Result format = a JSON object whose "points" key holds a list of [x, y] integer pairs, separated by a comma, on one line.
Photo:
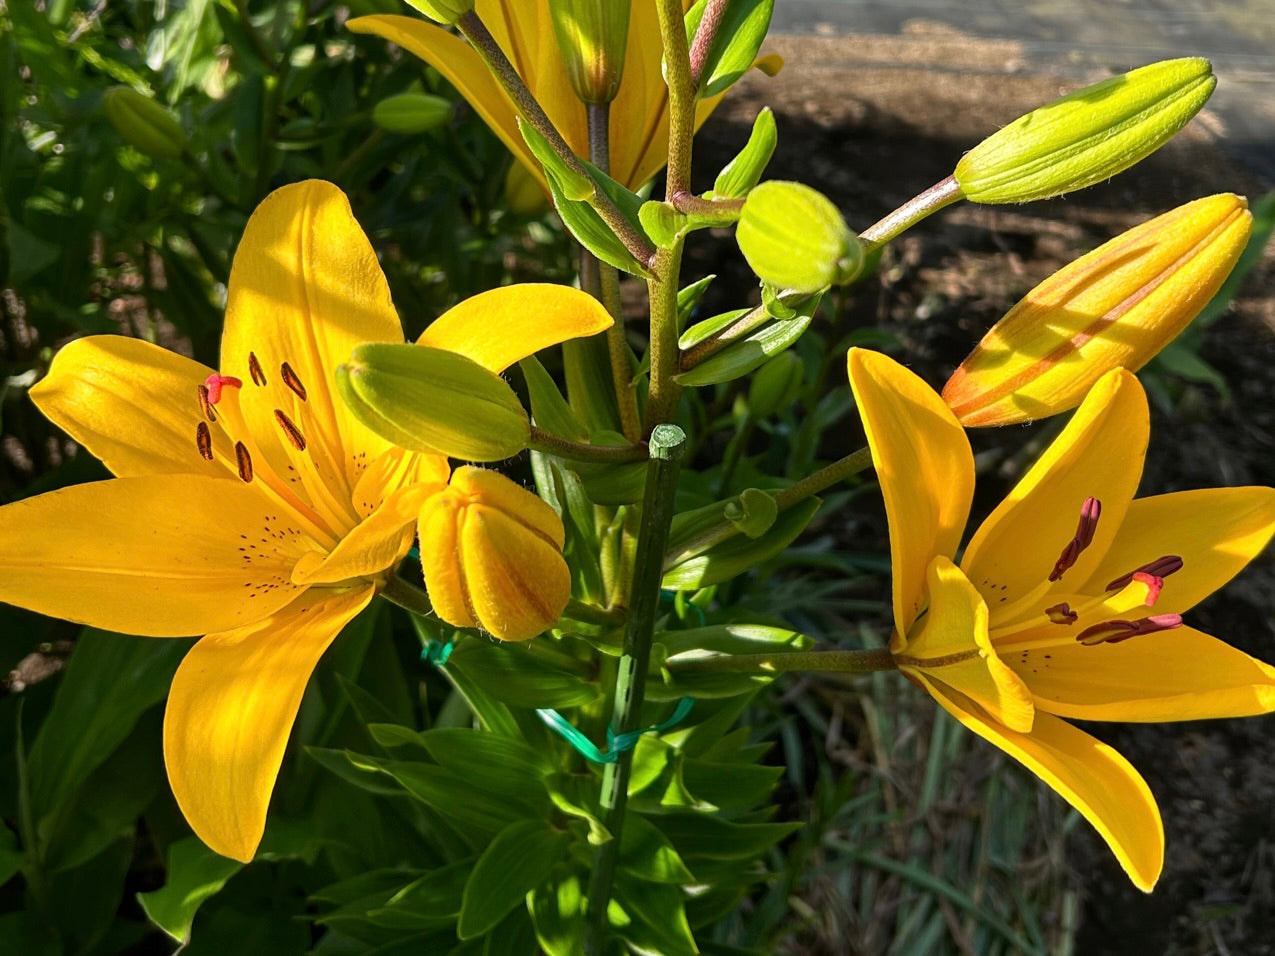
{"points": [[1062, 614], [1088, 524], [203, 441], [292, 380], [255, 370], [1113, 632], [244, 461], [290, 430], [1160, 568]]}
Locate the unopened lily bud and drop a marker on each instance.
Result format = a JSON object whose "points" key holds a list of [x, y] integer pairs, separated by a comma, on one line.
{"points": [[1087, 136], [492, 556], [446, 12], [411, 113], [1112, 308], [144, 123], [592, 36], [795, 238], [775, 385], [433, 401]]}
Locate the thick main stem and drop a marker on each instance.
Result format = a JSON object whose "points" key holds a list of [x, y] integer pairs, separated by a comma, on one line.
{"points": [[667, 446], [662, 292], [475, 31], [681, 95]]}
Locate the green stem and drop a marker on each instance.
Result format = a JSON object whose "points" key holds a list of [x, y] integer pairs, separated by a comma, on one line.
{"points": [[941, 194], [407, 596], [599, 122], [667, 445], [721, 211], [840, 662], [705, 35], [589, 614], [559, 447], [475, 31], [662, 292], [745, 324], [812, 484], [681, 95]]}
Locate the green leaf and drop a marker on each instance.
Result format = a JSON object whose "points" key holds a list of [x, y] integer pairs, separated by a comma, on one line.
{"points": [[712, 838], [557, 910], [518, 860], [11, 857], [732, 639], [194, 874], [548, 407], [744, 171], [1183, 362], [707, 328], [474, 752], [664, 224], [688, 298], [740, 358], [657, 917], [736, 555], [646, 854], [739, 37], [581, 219], [512, 675], [110, 681]]}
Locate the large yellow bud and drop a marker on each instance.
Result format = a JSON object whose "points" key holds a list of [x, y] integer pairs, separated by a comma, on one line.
{"points": [[492, 556]]}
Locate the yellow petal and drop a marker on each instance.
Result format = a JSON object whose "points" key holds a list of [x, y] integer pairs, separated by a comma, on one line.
{"points": [[1099, 454], [305, 289], [230, 711], [160, 556], [375, 545], [1215, 531], [464, 69], [1115, 307], [502, 326], [925, 468], [950, 646], [491, 552], [132, 404], [1089, 775], [1181, 674], [439, 531]]}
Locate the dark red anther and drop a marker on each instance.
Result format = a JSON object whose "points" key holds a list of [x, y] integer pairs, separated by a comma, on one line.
{"points": [[1113, 632], [244, 461], [293, 434], [292, 380], [205, 405], [203, 441], [1088, 524], [1062, 613], [1159, 568], [214, 383], [255, 370]]}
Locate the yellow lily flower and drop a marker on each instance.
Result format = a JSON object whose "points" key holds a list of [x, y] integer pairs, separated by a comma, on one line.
{"points": [[525, 31], [1046, 619], [249, 506]]}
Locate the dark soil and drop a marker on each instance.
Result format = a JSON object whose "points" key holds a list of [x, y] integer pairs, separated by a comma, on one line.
{"points": [[872, 134]]}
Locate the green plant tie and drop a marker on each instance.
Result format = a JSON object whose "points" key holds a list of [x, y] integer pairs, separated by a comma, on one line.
{"points": [[670, 597], [437, 652], [616, 743]]}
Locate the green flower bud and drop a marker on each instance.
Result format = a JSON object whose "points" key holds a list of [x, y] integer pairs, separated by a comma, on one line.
{"points": [[1087, 136], [433, 401], [446, 12], [592, 35], [775, 385], [411, 113], [144, 123], [794, 238]]}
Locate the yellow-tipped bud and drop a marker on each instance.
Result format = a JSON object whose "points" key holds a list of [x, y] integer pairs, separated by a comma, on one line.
{"points": [[144, 123], [1112, 308], [592, 35], [1087, 136], [492, 556], [446, 12]]}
